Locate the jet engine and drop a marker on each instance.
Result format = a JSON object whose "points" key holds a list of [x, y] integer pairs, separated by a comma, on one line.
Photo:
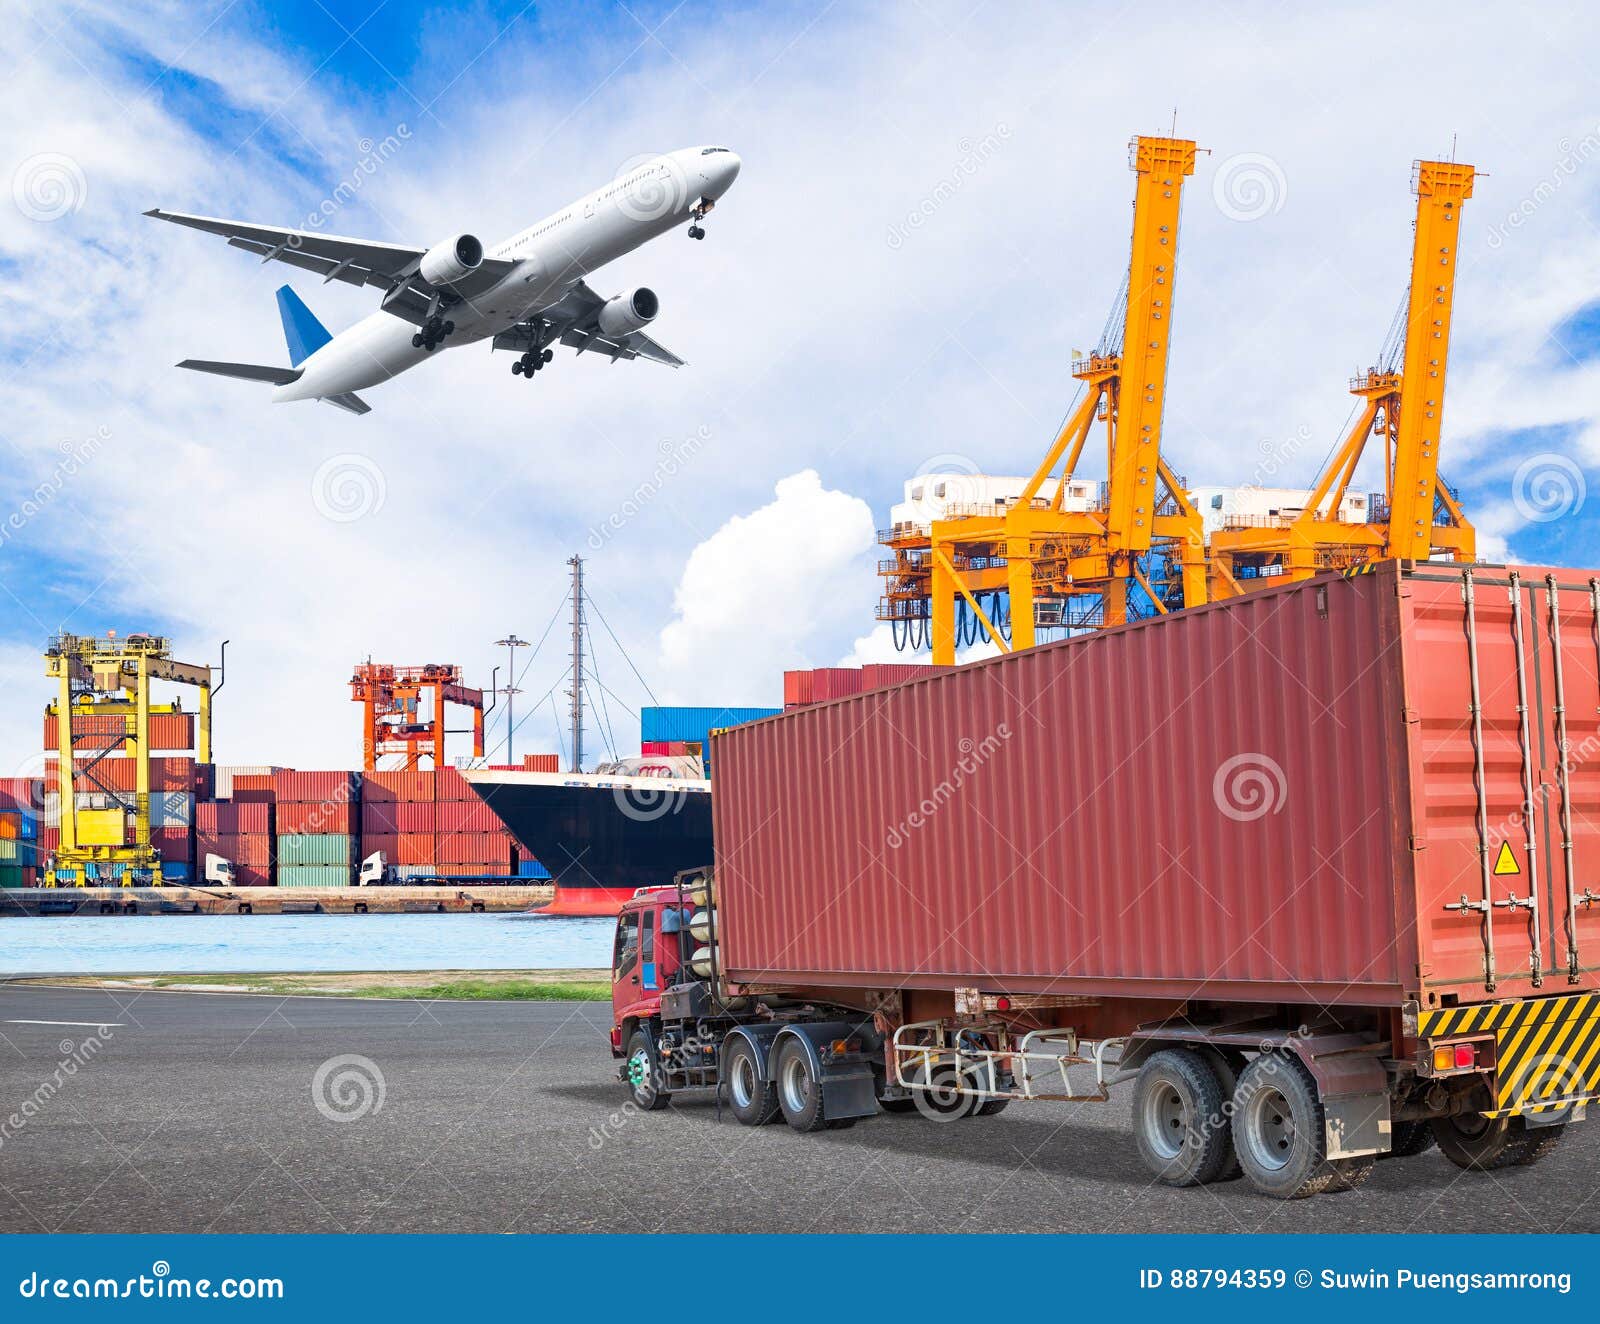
{"points": [[629, 312], [447, 262]]}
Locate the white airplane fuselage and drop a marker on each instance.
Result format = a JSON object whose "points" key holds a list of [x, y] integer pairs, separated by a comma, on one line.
{"points": [[550, 257]]}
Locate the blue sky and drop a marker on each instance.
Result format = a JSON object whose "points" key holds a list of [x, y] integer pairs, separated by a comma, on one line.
{"points": [[933, 213]]}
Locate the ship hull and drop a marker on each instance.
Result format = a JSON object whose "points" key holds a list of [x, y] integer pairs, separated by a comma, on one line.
{"points": [[602, 837]]}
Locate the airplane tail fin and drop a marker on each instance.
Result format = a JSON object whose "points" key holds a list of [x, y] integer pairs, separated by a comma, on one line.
{"points": [[304, 334]]}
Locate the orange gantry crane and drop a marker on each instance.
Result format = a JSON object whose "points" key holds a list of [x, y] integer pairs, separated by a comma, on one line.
{"points": [[395, 721], [1403, 402], [1059, 565]]}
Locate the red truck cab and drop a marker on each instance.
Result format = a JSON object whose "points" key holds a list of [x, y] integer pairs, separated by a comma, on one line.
{"points": [[646, 955]]}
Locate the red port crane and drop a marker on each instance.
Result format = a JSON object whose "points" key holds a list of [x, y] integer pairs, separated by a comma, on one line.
{"points": [[395, 720]]}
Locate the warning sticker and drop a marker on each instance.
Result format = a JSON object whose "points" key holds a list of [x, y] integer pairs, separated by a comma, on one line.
{"points": [[1506, 862]]}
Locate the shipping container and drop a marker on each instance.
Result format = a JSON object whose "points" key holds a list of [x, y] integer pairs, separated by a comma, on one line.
{"points": [[693, 724], [381, 786], [1312, 866], [541, 763], [416, 816], [334, 788], [224, 817], [531, 869], [22, 793], [449, 785], [253, 788], [1270, 797], [799, 689], [308, 848], [168, 731], [315, 875], [172, 809], [316, 816], [255, 849], [224, 775], [120, 773]]}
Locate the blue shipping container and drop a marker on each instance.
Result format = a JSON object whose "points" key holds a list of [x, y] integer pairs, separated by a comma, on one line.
{"points": [[531, 869], [694, 723]]}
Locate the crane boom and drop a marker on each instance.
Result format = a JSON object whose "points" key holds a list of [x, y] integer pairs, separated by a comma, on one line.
{"points": [[1441, 188]]}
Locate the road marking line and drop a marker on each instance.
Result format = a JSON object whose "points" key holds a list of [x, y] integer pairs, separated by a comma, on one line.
{"points": [[92, 1025]]}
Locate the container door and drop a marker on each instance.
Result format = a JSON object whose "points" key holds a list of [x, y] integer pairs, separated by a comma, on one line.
{"points": [[1503, 670]]}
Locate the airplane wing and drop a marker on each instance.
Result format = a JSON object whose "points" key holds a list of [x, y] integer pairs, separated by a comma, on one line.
{"points": [[573, 320], [391, 267]]}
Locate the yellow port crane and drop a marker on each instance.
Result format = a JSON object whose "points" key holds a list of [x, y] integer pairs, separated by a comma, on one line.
{"points": [[1403, 402], [103, 707], [1066, 566]]}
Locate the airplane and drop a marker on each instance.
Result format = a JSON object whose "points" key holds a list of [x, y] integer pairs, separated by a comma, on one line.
{"points": [[526, 295]]}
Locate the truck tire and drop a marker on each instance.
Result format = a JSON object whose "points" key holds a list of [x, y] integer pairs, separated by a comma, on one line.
{"points": [[1486, 1144], [1408, 1139], [1278, 1131], [1227, 1063], [798, 1092], [754, 1101], [940, 1099], [898, 1105], [641, 1070], [1177, 1091]]}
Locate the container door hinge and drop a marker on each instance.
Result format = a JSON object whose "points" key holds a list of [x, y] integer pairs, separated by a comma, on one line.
{"points": [[1417, 843], [1410, 716]]}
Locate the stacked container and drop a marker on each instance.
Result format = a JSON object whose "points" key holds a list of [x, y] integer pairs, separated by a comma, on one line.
{"points": [[433, 824], [19, 847], [803, 688], [686, 727], [237, 831], [317, 826]]}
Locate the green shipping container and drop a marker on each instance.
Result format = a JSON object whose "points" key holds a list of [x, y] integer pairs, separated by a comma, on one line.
{"points": [[12, 875], [314, 875], [301, 848]]}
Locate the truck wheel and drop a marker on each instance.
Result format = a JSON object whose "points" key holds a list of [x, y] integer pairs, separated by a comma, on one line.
{"points": [[1408, 1139], [1487, 1144], [799, 1095], [642, 1072], [898, 1105], [941, 1099], [1177, 1108], [1227, 1063], [991, 1107], [1278, 1130], [755, 1101]]}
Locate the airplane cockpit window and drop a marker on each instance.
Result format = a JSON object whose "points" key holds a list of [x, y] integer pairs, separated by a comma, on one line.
{"points": [[707, 151]]}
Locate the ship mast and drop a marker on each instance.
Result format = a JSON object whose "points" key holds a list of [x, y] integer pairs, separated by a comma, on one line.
{"points": [[576, 692]]}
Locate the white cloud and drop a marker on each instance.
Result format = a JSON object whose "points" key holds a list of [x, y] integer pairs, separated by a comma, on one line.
{"points": [[757, 593]]}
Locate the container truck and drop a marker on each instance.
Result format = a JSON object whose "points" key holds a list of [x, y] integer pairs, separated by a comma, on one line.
{"points": [[1315, 869]]}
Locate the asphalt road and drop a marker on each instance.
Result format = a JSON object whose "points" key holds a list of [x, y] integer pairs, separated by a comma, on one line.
{"points": [[200, 1112]]}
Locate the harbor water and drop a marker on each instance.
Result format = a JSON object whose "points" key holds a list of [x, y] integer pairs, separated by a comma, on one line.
{"points": [[225, 944]]}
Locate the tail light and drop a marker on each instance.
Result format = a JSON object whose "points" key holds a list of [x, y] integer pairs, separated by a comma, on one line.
{"points": [[1455, 1057]]}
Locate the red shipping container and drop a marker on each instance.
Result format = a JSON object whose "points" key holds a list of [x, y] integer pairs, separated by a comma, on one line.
{"points": [[541, 763], [119, 773], [473, 847], [22, 793], [379, 817], [245, 848], [316, 816], [228, 817], [461, 816], [380, 786], [168, 731], [49, 838], [253, 788], [835, 683], [451, 785], [1268, 799], [173, 843], [416, 816], [387, 842], [799, 688], [315, 787], [875, 675], [413, 848], [654, 748]]}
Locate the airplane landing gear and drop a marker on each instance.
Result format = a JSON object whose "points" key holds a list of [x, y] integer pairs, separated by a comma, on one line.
{"points": [[697, 213], [697, 232], [531, 362], [432, 334]]}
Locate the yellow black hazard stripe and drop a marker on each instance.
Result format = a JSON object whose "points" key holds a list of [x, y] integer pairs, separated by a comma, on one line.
{"points": [[1365, 568], [1547, 1050]]}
